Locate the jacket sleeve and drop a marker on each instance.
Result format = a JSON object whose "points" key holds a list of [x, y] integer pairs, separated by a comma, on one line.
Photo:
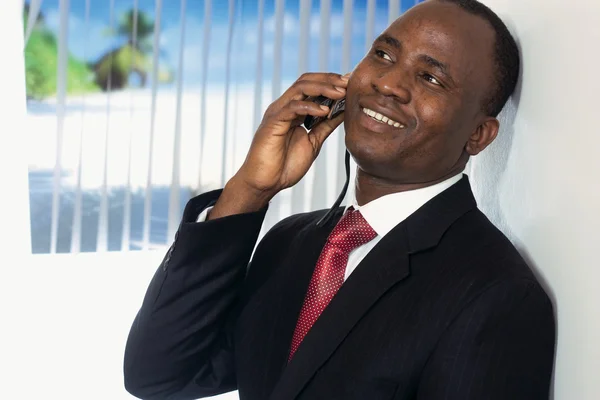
{"points": [[500, 347], [180, 343]]}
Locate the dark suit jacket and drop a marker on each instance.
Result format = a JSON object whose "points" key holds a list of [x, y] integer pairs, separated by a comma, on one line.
{"points": [[443, 307]]}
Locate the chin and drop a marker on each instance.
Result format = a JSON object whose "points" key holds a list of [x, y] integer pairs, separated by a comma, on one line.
{"points": [[369, 160], [365, 145]]}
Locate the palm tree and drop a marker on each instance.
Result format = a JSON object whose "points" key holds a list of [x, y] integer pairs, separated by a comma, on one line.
{"points": [[115, 67], [145, 29]]}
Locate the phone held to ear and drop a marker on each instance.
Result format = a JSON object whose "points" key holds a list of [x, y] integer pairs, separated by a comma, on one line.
{"points": [[335, 108]]}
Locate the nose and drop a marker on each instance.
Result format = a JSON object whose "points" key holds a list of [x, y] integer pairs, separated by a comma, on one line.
{"points": [[393, 84]]}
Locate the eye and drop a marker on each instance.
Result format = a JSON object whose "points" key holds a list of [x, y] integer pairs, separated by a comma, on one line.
{"points": [[431, 79], [383, 54]]}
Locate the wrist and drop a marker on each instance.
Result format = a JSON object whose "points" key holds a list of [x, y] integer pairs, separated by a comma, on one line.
{"points": [[239, 198], [248, 196]]}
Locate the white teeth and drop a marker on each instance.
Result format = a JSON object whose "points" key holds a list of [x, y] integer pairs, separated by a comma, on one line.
{"points": [[382, 118]]}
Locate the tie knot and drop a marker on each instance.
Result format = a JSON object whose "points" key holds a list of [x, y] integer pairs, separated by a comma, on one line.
{"points": [[351, 231]]}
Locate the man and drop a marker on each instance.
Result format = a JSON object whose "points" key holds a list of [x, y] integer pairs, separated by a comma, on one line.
{"points": [[410, 294]]}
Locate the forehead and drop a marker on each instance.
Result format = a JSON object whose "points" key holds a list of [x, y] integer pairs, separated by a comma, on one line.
{"points": [[444, 31]]}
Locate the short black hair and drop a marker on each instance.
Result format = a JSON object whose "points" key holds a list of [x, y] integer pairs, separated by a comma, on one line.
{"points": [[506, 56]]}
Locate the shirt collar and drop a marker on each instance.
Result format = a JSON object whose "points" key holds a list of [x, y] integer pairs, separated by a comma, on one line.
{"points": [[384, 213]]}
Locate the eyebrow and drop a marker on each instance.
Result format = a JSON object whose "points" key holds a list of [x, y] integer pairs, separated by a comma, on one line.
{"points": [[440, 66], [389, 40], [432, 62]]}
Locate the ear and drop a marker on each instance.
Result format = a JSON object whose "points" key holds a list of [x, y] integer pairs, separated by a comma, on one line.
{"points": [[484, 134]]}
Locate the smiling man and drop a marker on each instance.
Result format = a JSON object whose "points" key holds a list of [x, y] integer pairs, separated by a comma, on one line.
{"points": [[409, 293]]}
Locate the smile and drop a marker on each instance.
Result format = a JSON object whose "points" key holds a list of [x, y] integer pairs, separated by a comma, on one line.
{"points": [[382, 119]]}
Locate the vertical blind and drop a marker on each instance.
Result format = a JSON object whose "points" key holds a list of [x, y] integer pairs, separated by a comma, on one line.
{"points": [[170, 106]]}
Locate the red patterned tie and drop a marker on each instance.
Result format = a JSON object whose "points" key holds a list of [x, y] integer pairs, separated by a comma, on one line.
{"points": [[350, 232]]}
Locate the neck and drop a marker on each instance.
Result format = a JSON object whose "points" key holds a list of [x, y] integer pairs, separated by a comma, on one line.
{"points": [[369, 187]]}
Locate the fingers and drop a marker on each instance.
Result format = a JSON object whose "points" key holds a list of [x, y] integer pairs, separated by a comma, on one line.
{"points": [[321, 132], [291, 108], [329, 85], [300, 108], [329, 78], [306, 88]]}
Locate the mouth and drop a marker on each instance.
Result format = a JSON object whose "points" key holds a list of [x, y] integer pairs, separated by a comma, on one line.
{"points": [[382, 119]]}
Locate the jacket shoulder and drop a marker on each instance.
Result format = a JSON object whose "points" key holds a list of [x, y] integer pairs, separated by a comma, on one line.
{"points": [[486, 246], [474, 255]]}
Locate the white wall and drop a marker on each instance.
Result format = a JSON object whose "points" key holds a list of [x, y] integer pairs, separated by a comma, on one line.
{"points": [[540, 180], [14, 198], [65, 321]]}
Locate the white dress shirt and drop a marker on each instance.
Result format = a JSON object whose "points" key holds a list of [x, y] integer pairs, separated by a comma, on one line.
{"points": [[384, 213]]}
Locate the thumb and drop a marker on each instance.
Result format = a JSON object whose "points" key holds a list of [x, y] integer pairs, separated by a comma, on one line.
{"points": [[321, 132]]}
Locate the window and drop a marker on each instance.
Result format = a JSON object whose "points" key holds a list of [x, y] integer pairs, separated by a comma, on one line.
{"points": [[133, 108]]}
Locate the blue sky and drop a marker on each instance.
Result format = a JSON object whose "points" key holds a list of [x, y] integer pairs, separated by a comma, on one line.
{"points": [[90, 41]]}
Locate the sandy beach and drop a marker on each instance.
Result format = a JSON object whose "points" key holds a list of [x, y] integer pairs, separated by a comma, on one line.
{"points": [[120, 118]]}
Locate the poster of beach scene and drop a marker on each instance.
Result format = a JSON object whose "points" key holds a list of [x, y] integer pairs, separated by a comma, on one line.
{"points": [[133, 81]]}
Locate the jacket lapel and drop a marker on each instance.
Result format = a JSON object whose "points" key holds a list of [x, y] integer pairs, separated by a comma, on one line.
{"points": [[381, 269], [385, 266], [292, 287]]}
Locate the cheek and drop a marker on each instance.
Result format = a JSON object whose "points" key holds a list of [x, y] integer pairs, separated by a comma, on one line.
{"points": [[434, 114], [356, 83], [362, 76], [439, 132], [439, 120]]}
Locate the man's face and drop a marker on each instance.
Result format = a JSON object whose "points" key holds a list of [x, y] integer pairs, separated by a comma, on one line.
{"points": [[429, 72]]}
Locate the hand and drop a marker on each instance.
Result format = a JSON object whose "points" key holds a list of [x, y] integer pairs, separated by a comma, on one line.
{"points": [[282, 151]]}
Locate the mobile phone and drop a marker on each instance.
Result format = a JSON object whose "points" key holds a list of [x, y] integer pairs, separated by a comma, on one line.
{"points": [[335, 108]]}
